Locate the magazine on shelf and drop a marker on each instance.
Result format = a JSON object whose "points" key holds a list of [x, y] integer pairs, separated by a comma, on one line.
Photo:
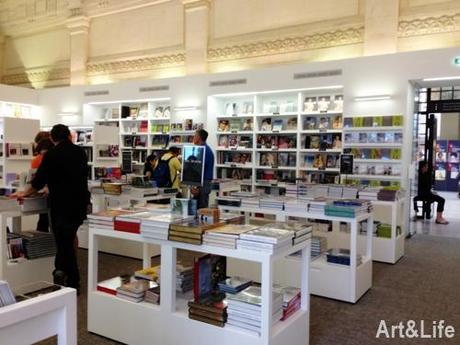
{"points": [[266, 124], [224, 126], [363, 138], [277, 125], [323, 123], [324, 103], [309, 123], [291, 124], [310, 105], [338, 103], [269, 159], [232, 140], [337, 122], [248, 125], [223, 141]]}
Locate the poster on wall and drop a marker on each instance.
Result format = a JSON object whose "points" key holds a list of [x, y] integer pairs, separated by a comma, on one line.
{"points": [[447, 165], [193, 165], [441, 151]]}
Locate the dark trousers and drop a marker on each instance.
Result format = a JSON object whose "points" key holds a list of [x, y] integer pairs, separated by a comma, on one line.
{"points": [[43, 222], [430, 198], [203, 195], [66, 258]]}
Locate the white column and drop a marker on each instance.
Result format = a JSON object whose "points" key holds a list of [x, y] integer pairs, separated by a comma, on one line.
{"points": [[79, 28], [196, 31], [381, 27]]}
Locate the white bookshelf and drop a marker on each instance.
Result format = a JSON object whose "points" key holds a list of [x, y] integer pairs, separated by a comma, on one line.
{"points": [[17, 136], [285, 110], [374, 141], [142, 322]]}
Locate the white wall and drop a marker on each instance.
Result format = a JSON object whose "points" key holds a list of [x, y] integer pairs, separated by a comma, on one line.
{"points": [[18, 95]]}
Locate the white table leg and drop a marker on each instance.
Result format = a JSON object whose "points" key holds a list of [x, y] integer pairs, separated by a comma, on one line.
{"points": [[67, 333], [147, 261], [93, 252], [267, 302], [305, 281], [353, 253], [168, 278]]}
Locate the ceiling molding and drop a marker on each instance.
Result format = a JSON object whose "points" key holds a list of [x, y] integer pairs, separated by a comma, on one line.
{"points": [[429, 25]]}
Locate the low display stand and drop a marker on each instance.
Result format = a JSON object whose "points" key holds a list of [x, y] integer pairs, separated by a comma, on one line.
{"points": [[168, 323]]}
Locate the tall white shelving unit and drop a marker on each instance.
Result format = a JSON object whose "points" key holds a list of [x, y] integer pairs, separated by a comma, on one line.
{"points": [[144, 323], [16, 148], [288, 110]]}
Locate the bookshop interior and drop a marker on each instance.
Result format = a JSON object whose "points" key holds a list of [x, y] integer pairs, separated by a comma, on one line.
{"points": [[256, 172]]}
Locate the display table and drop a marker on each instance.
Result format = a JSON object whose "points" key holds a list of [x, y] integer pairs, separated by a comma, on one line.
{"points": [[41, 317], [168, 323], [23, 271], [341, 282]]}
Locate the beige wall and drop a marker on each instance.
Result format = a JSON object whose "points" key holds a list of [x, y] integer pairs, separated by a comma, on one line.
{"points": [[450, 127], [162, 38]]}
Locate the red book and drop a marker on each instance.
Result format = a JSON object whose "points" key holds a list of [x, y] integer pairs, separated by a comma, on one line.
{"points": [[290, 310], [131, 227]]}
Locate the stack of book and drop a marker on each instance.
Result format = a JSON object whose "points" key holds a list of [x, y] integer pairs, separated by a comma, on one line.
{"points": [[341, 256], [321, 191], [272, 203], [208, 310], [301, 230], [6, 295], [184, 278], [190, 231], [130, 222], [157, 226], [335, 192], [135, 291], [38, 244], [296, 206], [266, 239], [225, 236], [291, 300], [152, 295], [306, 191], [228, 201], [149, 273], [362, 227], [384, 230], [318, 245], [234, 284], [350, 192], [387, 194], [105, 219], [252, 202], [317, 205], [369, 193], [349, 208], [291, 190], [245, 309]]}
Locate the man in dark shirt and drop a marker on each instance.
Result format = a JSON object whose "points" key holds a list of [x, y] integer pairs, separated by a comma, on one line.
{"points": [[425, 193], [201, 194], [64, 170]]}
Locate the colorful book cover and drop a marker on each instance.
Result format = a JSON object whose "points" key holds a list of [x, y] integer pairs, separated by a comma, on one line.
{"points": [[396, 154], [347, 122], [397, 121], [367, 121], [377, 121], [387, 121], [363, 138], [381, 138], [309, 123]]}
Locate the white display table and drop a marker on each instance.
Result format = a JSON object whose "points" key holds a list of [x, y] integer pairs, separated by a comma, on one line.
{"points": [[168, 323], [341, 282], [41, 317], [23, 271]]}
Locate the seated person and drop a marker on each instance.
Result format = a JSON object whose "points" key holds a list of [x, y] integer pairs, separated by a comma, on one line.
{"points": [[425, 194]]}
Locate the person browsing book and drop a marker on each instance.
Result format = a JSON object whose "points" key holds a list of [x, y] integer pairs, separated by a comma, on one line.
{"points": [[201, 194], [149, 165], [64, 169], [41, 148]]}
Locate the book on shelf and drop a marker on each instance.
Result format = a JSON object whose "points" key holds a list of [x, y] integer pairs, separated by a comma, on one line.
{"points": [[110, 285], [235, 125], [348, 122], [389, 137], [231, 109], [362, 138], [286, 159], [291, 124], [323, 123], [268, 159], [310, 105], [377, 121], [245, 142], [309, 123], [277, 125], [387, 121], [266, 125], [285, 142], [248, 125], [232, 140], [208, 271], [271, 107], [338, 103], [324, 103], [397, 121], [337, 122]]}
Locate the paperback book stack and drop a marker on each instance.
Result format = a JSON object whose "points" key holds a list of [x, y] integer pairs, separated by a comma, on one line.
{"points": [[296, 206], [291, 190], [225, 236], [318, 245], [266, 239], [152, 295], [321, 191], [387, 194], [208, 310], [157, 227], [38, 244], [306, 191], [369, 193], [6, 295], [341, 256], [190, 231], [184, 277], [134, 291], [234, 284], [252, 202], [301, 231], [317, 205], [130, 222], [105, 219], [350, 193], [245, 309], [362, 227], [228, 201], [272, 203], [291, 300], [349, 208], [335, 192]]}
